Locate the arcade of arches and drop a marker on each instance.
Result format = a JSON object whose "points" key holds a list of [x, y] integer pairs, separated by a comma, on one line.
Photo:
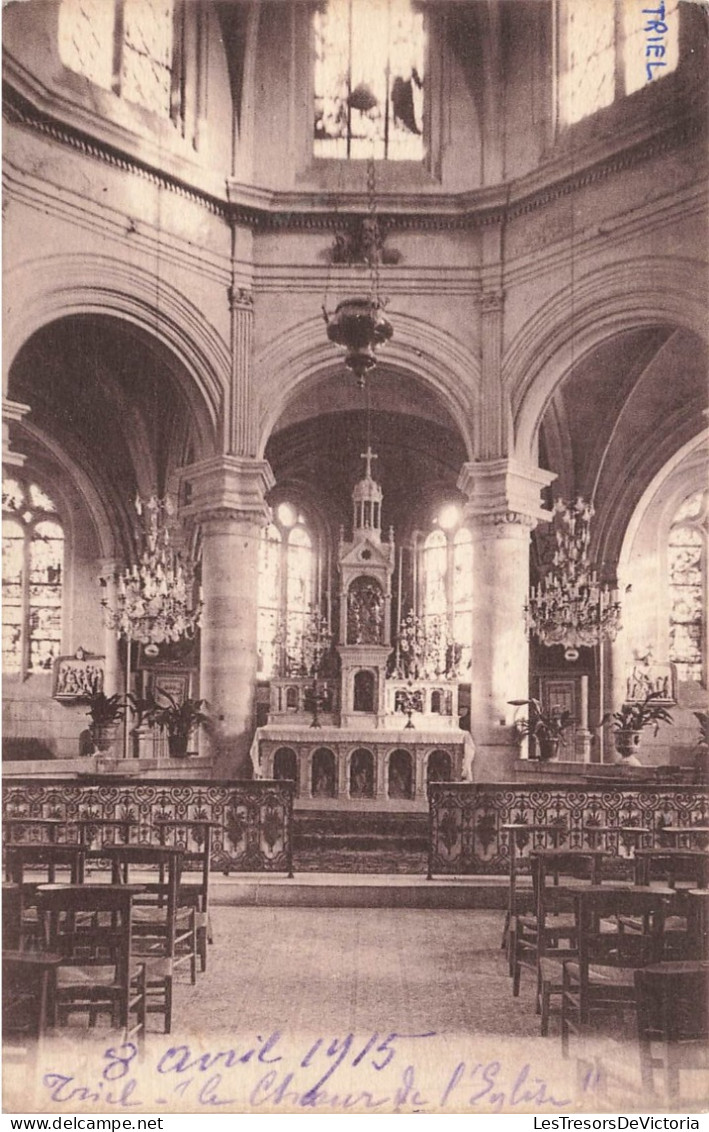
{"points": [[166, 260]]}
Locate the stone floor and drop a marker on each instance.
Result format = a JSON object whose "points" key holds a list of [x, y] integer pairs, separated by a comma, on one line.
{"points": [[331, 972], [371, 1009]]}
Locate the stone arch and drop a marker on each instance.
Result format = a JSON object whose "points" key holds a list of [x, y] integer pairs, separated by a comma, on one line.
{"points": [[60, 286], [642, 557], [285, 765], [640, 292], [301, 356], [45, 451]]}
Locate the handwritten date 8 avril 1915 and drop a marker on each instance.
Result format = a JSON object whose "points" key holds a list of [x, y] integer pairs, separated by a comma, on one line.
{"points": [[377, 1074]]}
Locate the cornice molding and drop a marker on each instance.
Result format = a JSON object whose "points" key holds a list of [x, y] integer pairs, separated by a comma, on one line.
{"points": [[17, 110], [261, 209]]}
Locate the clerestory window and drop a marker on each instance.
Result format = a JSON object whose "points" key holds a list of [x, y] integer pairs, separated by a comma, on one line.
{"points": [[369, 80], [610, 48], [128, 46]]}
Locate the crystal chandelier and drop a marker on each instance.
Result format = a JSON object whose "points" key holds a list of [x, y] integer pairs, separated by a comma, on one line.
{"points": [[359, 323], [154, 597], [569, 606]]}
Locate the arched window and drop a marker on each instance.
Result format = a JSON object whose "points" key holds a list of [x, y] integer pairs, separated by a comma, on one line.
{"points": [[286, 583], [610, 48], [32, 578], [128, 46], [687, 576], [447, 580], [369, 79]]}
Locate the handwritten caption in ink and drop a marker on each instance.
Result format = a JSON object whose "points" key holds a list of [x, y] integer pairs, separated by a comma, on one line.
{"points": [[338, 1073]]}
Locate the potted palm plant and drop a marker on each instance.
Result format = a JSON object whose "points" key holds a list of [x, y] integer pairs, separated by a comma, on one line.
{"points": [[546, 727], [106, 713], [179, 720], [631, 719]]}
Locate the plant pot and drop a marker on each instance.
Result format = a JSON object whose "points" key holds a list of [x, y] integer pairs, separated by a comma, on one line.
{"points": [[548, 749], [105, 737], [626, 743], [177, 746]]}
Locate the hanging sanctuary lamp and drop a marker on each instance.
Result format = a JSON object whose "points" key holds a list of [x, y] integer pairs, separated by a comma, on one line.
{"points": [[359, 324]]}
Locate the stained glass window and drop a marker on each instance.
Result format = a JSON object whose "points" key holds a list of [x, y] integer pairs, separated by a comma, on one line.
{"points": [[447, 580], [286, 588], [33, 563], [687, 571], [369, 80], [609, 48], [122, 45]]}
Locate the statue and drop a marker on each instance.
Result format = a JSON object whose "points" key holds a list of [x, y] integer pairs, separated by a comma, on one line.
{"points": [[365, 613]]}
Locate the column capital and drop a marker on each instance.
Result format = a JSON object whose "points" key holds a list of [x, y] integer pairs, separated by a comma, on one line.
{"points": [[240, 298], [12, 412], [492, 301], [226, 488], [504, 492]]}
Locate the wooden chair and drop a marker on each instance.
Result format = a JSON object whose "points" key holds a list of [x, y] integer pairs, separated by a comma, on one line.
{"points": [[164, 931], [30, 865], [601, 977], [673, 1012], [91, 928], [520, 897], [682, 870], [194, 892], [676, 868], [548, 936], [11, 916], [28, 988]]}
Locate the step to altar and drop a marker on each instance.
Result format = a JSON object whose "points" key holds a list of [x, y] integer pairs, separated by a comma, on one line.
{"points": [[329, 841], [359, 890]]}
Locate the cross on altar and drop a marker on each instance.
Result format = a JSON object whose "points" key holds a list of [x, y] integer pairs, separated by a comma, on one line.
{"points": [[369, 456]]}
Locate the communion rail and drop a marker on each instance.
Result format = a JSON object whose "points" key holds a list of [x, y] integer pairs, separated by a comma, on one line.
{"points": [[467, 820], [252, 822]]}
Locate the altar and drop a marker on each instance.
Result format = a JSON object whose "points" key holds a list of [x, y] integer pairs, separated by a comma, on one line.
{"points": [[367, 723], [338, 768]]}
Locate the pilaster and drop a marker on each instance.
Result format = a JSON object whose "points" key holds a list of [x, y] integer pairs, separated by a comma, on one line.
{"points": [[241, 426], [494, 420]]}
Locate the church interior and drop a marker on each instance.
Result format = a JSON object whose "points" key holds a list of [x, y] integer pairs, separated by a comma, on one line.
{"points": [[355, 400]]}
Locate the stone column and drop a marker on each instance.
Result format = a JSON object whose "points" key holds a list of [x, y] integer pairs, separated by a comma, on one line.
{"points": [[112, 673], [503, 507], [226, 496]]}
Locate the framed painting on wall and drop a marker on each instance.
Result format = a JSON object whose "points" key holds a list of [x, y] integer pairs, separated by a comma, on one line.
{"points": [[172, 682]]}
